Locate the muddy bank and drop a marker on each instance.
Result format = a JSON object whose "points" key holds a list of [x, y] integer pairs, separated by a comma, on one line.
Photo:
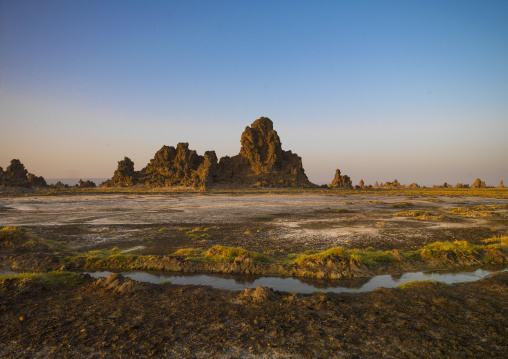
{"points": [[119, 318]]}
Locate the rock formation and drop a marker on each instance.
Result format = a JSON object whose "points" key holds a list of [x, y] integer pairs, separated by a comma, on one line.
{"points": [[501, 185], [86, 184], [16, 175], [361, 184], [179, 167], [461, 185], [260, 163], [478, 184], [341, 181], [394, 184], [124, 174]]}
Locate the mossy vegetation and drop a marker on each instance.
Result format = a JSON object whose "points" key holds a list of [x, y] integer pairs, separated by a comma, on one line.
{"points": [[21, 240], [479, 211], [431, 193], [222, 254], [49, 280], [416, 283]]}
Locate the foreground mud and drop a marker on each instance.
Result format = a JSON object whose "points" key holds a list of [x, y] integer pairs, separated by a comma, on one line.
{"points": [[119, 318]]}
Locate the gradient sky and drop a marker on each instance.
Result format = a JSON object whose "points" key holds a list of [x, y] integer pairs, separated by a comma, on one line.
{"points": [[413, 90]]}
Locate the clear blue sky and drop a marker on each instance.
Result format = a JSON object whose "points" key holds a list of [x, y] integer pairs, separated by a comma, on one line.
{"points": [[413, 90]]}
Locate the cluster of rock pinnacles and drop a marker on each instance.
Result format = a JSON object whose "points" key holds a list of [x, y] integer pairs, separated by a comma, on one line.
{"points": [[260, 163]]}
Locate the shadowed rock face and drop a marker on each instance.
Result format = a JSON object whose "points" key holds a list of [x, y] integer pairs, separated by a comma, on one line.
{"points": [[260, 163], [16, 175]]}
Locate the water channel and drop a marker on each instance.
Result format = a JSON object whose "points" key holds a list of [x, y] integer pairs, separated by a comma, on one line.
{"points": [[304, 285]]}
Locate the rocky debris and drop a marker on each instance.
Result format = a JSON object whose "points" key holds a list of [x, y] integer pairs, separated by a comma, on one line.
{"points": [[478, 184], [86, 184], [258, 295], [16, 175], [423, 320], [260, 163], [341, 181], [118, 283]]}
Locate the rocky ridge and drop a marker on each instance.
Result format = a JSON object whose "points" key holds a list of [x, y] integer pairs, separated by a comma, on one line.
{"points": [[260, 163]]}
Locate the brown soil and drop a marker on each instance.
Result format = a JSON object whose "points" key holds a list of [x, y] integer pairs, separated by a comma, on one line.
{"points": [[119, 318]]}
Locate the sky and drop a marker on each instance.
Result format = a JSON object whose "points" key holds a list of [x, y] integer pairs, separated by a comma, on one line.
{"points": [[410, 90]]}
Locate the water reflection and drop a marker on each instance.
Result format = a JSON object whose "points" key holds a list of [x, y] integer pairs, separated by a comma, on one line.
{"points": [[305, 285]]}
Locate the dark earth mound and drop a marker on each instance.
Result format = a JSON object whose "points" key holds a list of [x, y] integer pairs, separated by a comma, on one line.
{"points": [[120, 318]]}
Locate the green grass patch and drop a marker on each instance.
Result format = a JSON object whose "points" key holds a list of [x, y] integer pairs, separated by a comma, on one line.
{"points": [[412, 214], [49, 280], [443, 249], [418, 283], [13, 234], [189, 252]]}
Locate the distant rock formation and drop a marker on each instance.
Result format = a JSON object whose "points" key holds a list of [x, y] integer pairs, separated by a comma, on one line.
{"points": [[260, 163], [501, 185], [413, 185], [461, 185], [394, 184], [86, 184], [478, 184], [16, 175], [341, 181]]}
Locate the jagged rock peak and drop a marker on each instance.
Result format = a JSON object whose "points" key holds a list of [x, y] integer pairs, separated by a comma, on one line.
{"points": [[341, 181], [261, 146]]}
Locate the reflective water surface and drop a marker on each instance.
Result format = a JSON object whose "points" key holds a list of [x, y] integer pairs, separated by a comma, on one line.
{"points": [[302, 285]]}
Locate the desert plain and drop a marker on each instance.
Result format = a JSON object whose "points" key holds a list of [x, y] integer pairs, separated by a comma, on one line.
{"points": [[317, 236]]}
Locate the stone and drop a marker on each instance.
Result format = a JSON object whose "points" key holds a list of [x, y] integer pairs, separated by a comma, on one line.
{"points": [[341, 181]]}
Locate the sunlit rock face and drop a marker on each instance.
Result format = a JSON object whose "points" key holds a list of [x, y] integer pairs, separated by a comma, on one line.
{"points": [[341, 181], [260, 163]]}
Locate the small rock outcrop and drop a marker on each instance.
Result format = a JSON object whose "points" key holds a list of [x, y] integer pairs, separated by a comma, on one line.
{"points": [[478, 184], [260, 163], [341, 181], [501, 185], [124, 175], [461, 185], [16, 175], [394, 184], [86, 184]]}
